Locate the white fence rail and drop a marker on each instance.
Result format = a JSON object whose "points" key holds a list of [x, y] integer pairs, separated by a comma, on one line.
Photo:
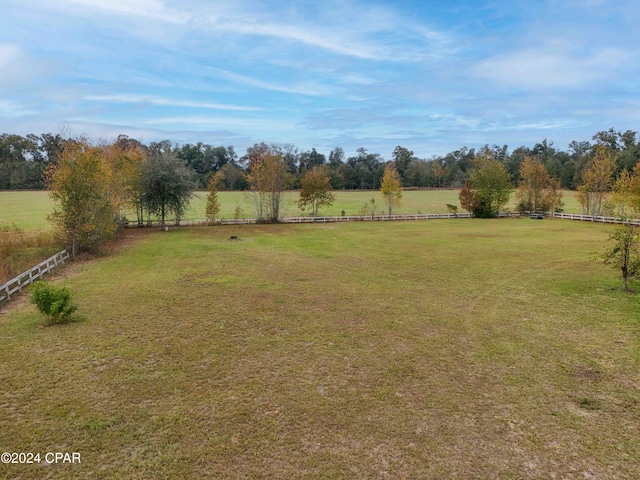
{"points": [[594, 218], [331, 219], [377, 218], [18, 283]]}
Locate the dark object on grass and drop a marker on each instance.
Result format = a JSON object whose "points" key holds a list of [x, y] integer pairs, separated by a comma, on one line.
{"points": [[536, 216], [233, 237]]}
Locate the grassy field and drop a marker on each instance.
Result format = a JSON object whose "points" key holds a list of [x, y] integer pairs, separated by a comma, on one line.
{"points": [[29, 210], [436, 349]]}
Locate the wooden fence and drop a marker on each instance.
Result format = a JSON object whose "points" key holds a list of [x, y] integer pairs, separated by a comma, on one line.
{"points": [[594, 218], [375, 218], [16, 284], [332, 219], [33, 274]]}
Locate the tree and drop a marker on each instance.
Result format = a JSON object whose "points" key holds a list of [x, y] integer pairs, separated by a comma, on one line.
{"points": [[84, 215], [492, 184], [167, 186], [124, 161], [336, 168], [622, 194], [402, 157], [268, 179], [315, 190], [624, 254], [597, 178], [363, 171], [309, 160], [213, 204], [469, 199], [20, 163], [391, 187], [537, 191]]}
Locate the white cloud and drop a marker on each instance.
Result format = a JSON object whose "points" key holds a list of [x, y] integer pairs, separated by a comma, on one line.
{"points": [[9, 108], [327, 40], [129, 98], [306, 88], [548, 67], [8, 54], [152, 9], [351, 29]]}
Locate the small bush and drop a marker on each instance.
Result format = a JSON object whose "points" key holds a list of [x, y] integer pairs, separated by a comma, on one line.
{"points": [[53, 302]]}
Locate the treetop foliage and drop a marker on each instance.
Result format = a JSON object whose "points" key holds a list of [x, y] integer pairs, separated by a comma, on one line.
{"points": [[391, 187], [23, 159], [315, 190]]}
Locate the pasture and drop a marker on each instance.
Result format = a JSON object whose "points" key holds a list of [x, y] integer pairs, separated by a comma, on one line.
{"points": [[432, 349], [29, 210]]}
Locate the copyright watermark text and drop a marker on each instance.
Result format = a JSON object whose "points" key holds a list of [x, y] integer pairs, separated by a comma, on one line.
{"points": [[37, 457]]}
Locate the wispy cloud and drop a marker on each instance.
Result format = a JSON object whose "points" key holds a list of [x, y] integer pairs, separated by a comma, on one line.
{"points": [[8, 54], [221, 122], [150, 9], [9, 108], [327, 40], [167, 102], [310, 88], [542, 68], [431, 75]]}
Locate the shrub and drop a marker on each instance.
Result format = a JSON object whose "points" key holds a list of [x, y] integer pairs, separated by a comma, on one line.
{"points": [[53, 302], [483, 210]]}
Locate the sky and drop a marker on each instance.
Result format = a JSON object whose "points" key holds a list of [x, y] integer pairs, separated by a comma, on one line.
{"points": [[432, 76]]}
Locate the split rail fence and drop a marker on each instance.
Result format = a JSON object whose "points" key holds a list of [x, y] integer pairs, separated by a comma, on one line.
{"points": [[374, 218], [594, 218], [331, 219], [18, 283]]}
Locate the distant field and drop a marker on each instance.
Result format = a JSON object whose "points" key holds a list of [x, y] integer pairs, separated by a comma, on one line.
{"points": [[29, 210], [435, 349]]}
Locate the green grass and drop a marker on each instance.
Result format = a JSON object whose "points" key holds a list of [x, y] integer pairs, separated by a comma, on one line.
{"points": [[26, 209], [29, 210], [434, 349]]}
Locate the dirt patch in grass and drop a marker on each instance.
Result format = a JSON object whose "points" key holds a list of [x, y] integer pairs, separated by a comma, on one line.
{"points": [[589, 374]]}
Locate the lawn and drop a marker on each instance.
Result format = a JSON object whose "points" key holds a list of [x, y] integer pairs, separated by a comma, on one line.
{"points": [[436, 349], [29, 210]]}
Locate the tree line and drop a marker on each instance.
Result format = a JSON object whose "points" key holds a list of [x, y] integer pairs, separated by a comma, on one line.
{"points": [[92, 185], [24, 159]]}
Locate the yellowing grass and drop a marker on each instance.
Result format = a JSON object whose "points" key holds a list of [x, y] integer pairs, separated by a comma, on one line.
{"points": [[433, 349]]}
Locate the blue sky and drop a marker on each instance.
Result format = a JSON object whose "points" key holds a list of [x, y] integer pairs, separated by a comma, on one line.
{"points": [[432, 76]]}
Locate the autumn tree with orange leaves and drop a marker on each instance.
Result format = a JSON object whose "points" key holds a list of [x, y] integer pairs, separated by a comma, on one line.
{"points": [[84, 213], [124, 165], [268, 177], [537, 191], [597, 180]]}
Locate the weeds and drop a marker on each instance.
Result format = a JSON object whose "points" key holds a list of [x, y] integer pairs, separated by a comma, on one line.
{"points": [[20, 249]]}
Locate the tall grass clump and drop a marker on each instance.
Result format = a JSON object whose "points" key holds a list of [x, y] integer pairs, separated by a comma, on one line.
{"points": [[21, 250]]}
